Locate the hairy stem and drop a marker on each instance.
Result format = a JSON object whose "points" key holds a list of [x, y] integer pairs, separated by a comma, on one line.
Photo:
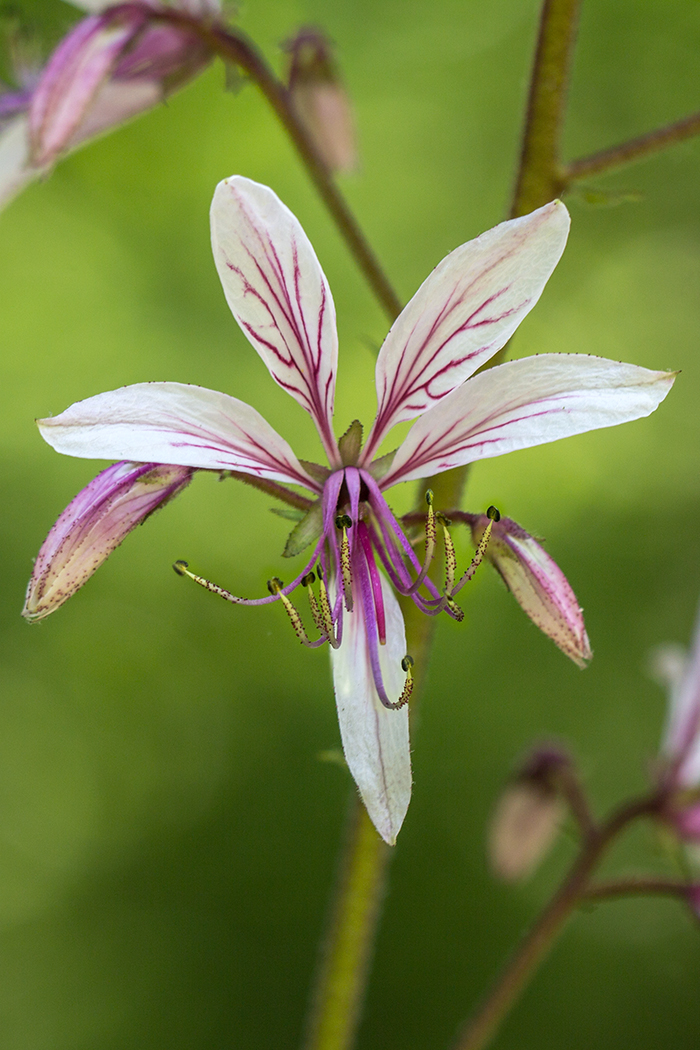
{"points": [[523, 964], [539, 175], [628, 152], [347, 949]]}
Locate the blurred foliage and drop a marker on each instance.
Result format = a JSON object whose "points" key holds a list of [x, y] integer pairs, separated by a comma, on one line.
{"points": [[167, 832]]}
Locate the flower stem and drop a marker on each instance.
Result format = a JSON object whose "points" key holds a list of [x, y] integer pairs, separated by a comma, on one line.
{"points": [[347, 950], [635, 149], [521, 967], [234, 47], [636, 886], [539, 174]]}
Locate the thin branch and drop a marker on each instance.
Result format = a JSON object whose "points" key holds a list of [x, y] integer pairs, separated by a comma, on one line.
{"points": [[235, 47], [539, 176], [566, 779], [628, 152], [636, 886], [523, 964]]}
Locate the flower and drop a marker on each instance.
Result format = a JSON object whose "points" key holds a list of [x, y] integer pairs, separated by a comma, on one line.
{"points": [[679, 769], [535, 581], [118, 62], [463, 313]]}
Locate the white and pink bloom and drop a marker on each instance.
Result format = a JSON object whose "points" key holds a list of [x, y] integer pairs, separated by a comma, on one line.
{"points": [[679, 773], [360, 557], [119, 61]]}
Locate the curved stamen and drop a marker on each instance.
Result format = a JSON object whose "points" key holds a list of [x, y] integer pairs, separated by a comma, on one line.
{"points": [[275, 587]]}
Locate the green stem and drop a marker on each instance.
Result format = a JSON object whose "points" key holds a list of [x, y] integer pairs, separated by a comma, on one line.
{"points": [[523, 964], [236, 48], [347, 951], [635, 149], [540, 175]]}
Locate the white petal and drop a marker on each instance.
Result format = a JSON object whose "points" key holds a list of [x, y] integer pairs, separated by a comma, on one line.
{"points": [[464, 312], [682, 736], [15, 169], [278, 293], [375, 739], [174, 423], [524, 403]]}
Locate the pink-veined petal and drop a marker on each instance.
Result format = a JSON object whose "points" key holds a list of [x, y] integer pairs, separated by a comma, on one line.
{"points": [[375, 739], [463, 313], [278, 294], [93, 525], [73, 76], [524, 403], [175, 423]]}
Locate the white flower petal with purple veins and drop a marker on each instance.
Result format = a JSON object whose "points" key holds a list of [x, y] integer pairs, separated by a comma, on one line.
{"points": [[524, 403], [375, 739], [72, 78], [464, 312], [278, 294], [93, 525], [175, 423]]}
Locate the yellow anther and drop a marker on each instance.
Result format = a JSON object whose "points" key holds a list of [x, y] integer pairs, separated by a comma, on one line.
{"points": [[407, 666]]}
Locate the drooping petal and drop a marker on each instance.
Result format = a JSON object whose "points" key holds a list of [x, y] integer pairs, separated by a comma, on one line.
{"points": [[16, 172], [537, 584], [73, 76], [525, 403], [375, 740], [681, 743], [175, 423], [93, 525], [464, 312], [278, 294]]}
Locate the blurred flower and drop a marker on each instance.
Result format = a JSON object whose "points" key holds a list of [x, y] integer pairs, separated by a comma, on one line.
{"points": [[464, 313], [679, 772], [93, 525], [526, 818], [320, 99], [536, 582], [114, 64]]}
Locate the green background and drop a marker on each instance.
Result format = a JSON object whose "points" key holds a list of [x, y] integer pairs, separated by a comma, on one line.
{"points": [[167, 830]]}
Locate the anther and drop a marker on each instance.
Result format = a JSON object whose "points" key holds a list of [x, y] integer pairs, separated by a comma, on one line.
{"points": [[307, 580], [343, 521], [181, 568], [407, 667], [429, 497], [493, 515], [275, 585]]}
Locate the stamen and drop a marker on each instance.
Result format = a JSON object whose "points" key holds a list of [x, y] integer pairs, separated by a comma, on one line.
{"points": [[182, 569], [450, 554], [493, 515], [325, 611], [430, 541], [343, 522], [275, 586], [407, 666]]}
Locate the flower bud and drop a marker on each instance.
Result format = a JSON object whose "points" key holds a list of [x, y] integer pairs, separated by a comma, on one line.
{"points": [[537, 584], [526, 818], [321, 101], [93, 525]]}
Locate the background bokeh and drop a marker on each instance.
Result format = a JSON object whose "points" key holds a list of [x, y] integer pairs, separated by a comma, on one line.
{"points": [[167, 830]]}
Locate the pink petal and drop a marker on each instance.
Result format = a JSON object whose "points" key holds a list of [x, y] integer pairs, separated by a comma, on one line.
{"points": [[279, 295], [537, 584], [175, 423], [464, 312], [525, 403], [93, 525], [73, 76], [375, 739]]}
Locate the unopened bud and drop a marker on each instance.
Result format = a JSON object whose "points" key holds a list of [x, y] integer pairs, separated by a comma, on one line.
{"points": [[523, 827], [320, 99], [536, 582], [93, 525]]}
